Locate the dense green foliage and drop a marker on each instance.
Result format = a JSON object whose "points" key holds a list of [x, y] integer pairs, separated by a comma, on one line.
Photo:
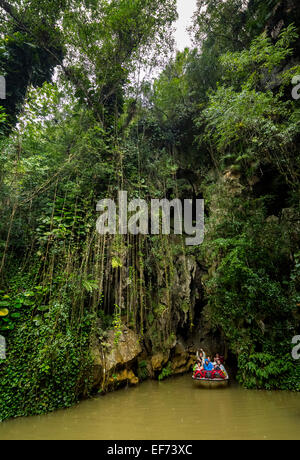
{"points": [[219, 122]]}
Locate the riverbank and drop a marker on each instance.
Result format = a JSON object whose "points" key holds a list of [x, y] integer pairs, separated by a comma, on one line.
{"points": [[172, 409]]}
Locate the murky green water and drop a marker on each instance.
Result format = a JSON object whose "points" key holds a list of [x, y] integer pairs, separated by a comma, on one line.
{"points": [[174, 409]]}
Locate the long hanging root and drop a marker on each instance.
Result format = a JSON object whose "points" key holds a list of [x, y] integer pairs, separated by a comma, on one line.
{"points": [[8, 237]]}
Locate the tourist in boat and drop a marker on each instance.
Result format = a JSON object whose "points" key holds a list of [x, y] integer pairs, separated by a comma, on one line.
{"points": [[208, 365], [198, 369], [224, 370], [201, 355], [208, 368], [218, 356], [219, 371]]}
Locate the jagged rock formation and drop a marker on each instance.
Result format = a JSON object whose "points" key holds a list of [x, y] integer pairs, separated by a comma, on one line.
{"points": [[114, 359], [184, 326]]}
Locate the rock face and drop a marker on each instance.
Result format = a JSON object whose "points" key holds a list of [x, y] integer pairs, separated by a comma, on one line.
{"points": [[124, 351], [183, 359], [114, 360], [158, 360], [124, 376], [177, 326]]}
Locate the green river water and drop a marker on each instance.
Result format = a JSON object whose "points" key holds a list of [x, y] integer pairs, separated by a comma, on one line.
{"points": [[171, 410]]}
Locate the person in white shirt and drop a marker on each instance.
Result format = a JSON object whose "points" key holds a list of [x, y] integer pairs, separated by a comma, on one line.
{"points": [[201, 355]]}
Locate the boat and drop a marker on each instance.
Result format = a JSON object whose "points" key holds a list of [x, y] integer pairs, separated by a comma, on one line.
{"points": [[211, 383]]}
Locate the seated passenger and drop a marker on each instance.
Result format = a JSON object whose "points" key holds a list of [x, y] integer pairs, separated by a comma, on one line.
{"points": [[198, 369], [207, 369], [218, 356], [219, 371], [208, 365], [223, 370]]}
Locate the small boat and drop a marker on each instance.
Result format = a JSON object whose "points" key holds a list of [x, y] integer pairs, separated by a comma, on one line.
{"points": [[211, 383]]}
